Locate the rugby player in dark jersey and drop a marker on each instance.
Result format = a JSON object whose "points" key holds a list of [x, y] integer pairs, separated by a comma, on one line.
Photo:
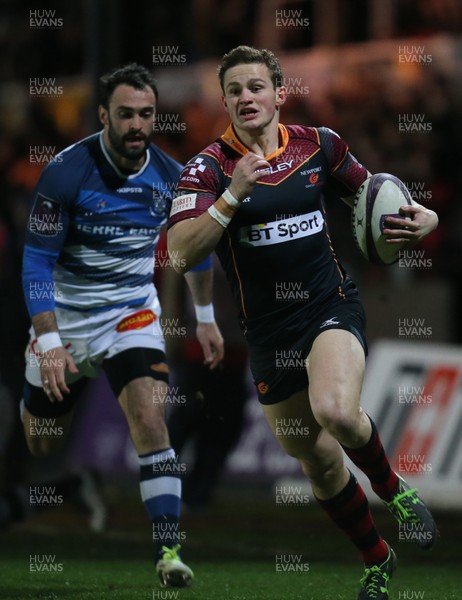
{"points": [[256, 196]]}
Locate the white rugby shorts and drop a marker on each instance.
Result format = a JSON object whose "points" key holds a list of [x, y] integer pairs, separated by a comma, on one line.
{"points": [[92, 337]]}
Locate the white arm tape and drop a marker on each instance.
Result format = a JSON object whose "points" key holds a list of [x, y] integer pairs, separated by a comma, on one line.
{"points": [[219, 217], [230, 199], [204, 313], [48, 341]]}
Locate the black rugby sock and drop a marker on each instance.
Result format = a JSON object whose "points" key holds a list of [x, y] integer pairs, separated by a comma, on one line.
{"points": [[349, 510], [373, 462]]}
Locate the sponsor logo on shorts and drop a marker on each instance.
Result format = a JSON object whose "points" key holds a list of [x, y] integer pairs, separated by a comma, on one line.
{"points": [[263, 388], [282, 230], [181, 203], [159, 367], [141, 319], [329, 322]]}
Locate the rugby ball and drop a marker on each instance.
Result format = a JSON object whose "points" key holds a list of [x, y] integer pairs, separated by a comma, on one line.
{"points": [[379, 197]]}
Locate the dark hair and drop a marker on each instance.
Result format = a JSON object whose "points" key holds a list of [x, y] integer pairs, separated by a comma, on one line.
{"points": [[248, 55], [132, 74]]}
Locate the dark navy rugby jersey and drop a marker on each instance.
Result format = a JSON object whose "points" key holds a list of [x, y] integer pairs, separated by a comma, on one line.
{"points": [[276, 252], [92, 229]]}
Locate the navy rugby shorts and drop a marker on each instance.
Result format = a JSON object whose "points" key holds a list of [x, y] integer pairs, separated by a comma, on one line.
{"points": [[280, 371]]}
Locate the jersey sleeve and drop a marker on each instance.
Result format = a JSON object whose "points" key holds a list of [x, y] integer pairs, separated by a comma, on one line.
{"points": [[199, 187], [170, 170], [47, 227], [346, 173]]}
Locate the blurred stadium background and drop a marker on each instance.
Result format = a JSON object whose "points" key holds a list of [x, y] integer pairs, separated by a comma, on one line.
{"points": [[386, 75]]}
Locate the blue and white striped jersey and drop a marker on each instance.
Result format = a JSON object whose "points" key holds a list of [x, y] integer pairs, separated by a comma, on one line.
{"points": [[92, 229]]}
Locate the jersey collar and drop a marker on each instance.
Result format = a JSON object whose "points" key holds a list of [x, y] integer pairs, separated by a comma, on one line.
{"points": [[230, 138]]}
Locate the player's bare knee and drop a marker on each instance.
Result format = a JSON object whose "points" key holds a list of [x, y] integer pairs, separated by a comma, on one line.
{"points": [[342, 426], [337, 416], [322, 472], [148, 428], [146, 419]]}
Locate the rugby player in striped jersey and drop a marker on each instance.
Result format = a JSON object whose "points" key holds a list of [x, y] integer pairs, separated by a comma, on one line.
{"points": [[93, 226]]}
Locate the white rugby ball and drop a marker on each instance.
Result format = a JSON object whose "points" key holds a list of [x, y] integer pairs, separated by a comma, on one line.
{"points": [[379, 197]]}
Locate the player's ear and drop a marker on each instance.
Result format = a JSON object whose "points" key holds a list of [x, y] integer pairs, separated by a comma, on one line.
{"points": [[103, 115], [225, 104], [281, 95]]}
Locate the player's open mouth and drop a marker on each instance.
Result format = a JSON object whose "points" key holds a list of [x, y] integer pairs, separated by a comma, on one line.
{"points": [[134, 141], [248, 113]]}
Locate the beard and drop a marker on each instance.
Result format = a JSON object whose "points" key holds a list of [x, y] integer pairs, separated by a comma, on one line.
{"points": [[119, 143]]}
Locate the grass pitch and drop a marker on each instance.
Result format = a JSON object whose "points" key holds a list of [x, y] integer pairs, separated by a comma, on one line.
{"points": [[221, 580], [234, 549]]}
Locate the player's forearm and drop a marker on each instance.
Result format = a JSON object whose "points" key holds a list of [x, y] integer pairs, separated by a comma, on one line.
{"points": [[350, 200], [200, 284], [193, 240], [37, 280], [44, 322]]}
